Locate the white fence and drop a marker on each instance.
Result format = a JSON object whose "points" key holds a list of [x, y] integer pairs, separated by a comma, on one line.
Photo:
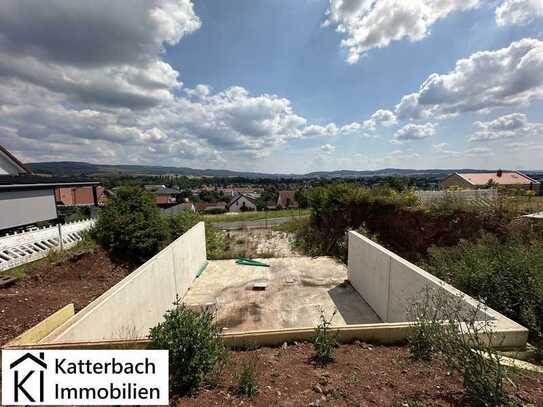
{"points": [[479, 197], [24, 247]]}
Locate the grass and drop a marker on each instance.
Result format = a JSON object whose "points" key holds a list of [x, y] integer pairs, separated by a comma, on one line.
{"points": [[256, 215], [525, 204], [291, 226]]}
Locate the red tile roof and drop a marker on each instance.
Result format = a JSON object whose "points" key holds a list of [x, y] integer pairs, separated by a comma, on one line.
{"points": [[506, 178], [286, 199]]}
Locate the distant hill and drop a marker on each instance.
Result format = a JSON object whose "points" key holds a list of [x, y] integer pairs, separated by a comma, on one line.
{"points": [[72, 168]]}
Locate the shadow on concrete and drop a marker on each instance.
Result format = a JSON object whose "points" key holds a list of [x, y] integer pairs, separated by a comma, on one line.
{"points": [[351, 306]]}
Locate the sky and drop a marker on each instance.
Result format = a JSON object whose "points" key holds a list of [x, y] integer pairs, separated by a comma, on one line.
{"points": [[282, 86]]}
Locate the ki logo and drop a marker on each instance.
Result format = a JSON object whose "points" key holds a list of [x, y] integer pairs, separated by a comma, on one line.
{"points": [[28, 379]]}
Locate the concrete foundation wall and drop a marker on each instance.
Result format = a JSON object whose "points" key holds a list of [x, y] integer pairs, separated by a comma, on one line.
{"points": [[138, 302], [389, 283]]}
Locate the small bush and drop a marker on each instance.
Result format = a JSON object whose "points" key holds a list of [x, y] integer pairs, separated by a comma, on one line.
{"points": [[131, 225], [463, 338], [194, 344], [325, 342], [247, 379], [215, 211], [426, 314], [181, 223]]}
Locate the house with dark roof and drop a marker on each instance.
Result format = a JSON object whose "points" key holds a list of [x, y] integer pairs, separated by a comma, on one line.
{"points": [[500, 179], [242, 203], [26, 198], [177, 209]]}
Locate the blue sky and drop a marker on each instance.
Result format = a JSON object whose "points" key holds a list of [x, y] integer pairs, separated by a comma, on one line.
{"points": [[276, 86]]}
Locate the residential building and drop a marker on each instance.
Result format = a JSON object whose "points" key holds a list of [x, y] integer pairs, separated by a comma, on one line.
{"points": [[286, 200], [234, 191], [177, 209], [500, 179], [163, 196], [242, 203], [26, 198], [211, 206]]}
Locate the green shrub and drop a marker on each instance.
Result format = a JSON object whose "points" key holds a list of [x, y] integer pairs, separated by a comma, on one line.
{"points": [[131, 225], [340, 207], [394, 217], [248, 379], [215, 211], [182, 222], [325, 342], [427, 316], [215, 242], [462, 337], [194, 344], [505, 274]]}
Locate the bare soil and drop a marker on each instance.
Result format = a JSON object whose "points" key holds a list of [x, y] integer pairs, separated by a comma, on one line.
{"points": [[257, 243], [50, 286], [362, 375]]}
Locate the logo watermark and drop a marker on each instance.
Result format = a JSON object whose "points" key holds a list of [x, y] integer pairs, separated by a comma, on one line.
{"points": [[85, 377]]}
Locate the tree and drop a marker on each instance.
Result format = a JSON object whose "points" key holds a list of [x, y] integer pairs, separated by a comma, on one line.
{"points": [[301, 197], [131, 226]]}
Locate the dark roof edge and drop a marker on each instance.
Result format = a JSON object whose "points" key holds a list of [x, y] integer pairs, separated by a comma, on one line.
{"points": [[47, 185], [15, 159]]}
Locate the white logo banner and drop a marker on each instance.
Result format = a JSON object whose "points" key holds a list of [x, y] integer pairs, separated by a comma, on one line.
{"points": [[85, 377]]}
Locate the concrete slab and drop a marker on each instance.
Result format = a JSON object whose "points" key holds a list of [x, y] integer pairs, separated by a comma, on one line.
{"points": [[297, 289]]}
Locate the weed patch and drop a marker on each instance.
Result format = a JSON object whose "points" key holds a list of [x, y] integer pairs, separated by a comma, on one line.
{"points": [[248, 379], [325, 341]]}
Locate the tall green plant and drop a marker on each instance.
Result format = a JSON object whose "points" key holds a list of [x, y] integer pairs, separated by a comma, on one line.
{"points": [[325, 341], [131, 225], [463, 338]]}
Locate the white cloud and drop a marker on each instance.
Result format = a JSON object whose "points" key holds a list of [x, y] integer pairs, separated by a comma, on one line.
{"points": [[518, 12], [96, 53], [414, 132], [511, 76], [370, 24], [511, 126], [327, 148], [515, 146], [91, 83], [381, 117], [443, 150]]}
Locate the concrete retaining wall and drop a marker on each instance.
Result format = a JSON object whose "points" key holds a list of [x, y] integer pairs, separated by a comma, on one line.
{"points": [[389, 283], [130, 308]]}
